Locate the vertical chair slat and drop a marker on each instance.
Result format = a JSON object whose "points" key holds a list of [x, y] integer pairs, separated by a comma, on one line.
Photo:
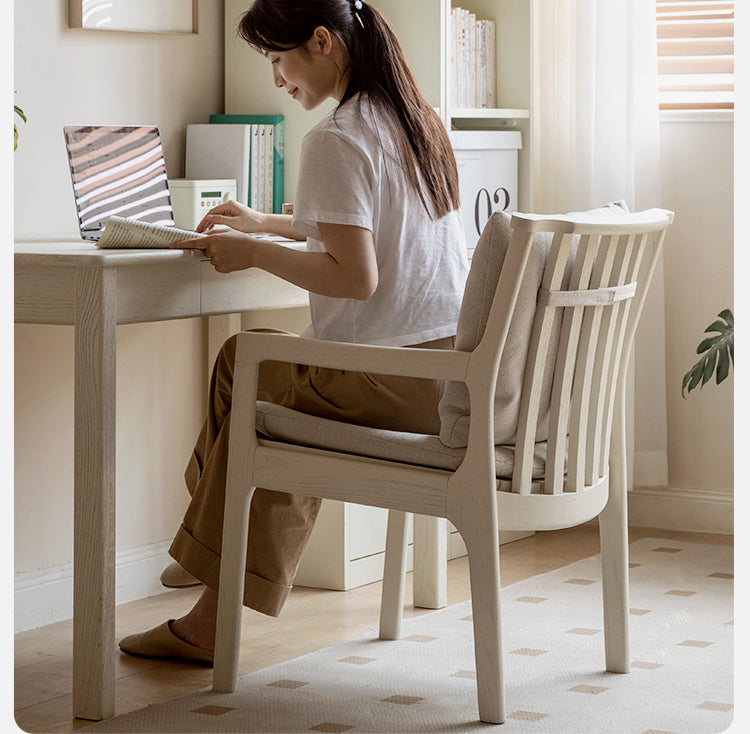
{"points": [[565, 369], [554, 273], [603, 364], [619, 357], [575, 480]]}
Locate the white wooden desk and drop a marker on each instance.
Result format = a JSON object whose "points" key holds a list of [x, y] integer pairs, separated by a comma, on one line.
{"points": [[73, 283]]}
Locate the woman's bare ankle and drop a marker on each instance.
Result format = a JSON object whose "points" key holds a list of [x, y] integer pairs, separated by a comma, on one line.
{"points": [[198, 626]]}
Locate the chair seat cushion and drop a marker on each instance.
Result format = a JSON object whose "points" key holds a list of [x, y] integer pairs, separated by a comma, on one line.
{"points": [[292, 426]]}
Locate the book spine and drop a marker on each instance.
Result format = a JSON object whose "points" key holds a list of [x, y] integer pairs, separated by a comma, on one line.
{"points": [[466, 61], [268, 170], [262, 167], [453, 45], [480, 65], [254, 168], [472, 60], [491, 65]]}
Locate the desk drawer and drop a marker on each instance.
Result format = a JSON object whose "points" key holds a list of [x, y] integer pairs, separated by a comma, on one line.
{"points": [[246, 290], [44, 295], [158, 292]]}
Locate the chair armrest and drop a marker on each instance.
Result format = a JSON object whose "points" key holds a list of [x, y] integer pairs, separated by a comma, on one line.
{"points": [[438, 364]]}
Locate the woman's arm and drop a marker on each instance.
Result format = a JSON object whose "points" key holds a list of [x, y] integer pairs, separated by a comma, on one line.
{"points": [[347, 269]]}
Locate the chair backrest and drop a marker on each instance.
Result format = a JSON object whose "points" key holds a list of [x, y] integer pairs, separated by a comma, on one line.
{"points": [[563, 361]]}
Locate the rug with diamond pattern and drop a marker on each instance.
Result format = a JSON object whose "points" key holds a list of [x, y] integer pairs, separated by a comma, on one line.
{"points": [[681, 627]]}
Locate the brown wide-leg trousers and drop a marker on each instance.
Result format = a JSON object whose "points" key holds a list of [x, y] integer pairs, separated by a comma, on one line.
{"points": [[281, 523]]}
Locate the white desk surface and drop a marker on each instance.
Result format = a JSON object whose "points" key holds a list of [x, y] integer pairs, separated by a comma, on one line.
{"points": [[71, 251]]}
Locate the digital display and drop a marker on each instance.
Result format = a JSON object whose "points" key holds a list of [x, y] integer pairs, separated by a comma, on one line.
{"points": [[210, 194]]}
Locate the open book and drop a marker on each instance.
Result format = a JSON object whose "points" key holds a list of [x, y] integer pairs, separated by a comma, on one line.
{"points": [[133, 233]]}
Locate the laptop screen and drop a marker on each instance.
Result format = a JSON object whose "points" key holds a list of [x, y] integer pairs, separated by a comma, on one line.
{"points": [[117, 170]]}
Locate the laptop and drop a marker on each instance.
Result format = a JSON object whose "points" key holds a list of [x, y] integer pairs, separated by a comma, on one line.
{"points": [[120, 171]]}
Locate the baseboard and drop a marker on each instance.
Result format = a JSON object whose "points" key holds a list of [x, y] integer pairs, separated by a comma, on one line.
{"points": [[46, 596], [680, 508]]}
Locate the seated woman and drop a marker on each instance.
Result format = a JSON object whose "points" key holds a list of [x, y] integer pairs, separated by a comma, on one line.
{"points": [[377, 200]]}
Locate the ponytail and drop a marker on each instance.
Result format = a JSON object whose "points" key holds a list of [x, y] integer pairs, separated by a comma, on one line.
{"points": [[378, 69]]}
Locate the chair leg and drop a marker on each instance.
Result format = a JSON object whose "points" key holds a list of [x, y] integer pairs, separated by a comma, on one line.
{"points": [[231, 591], [484, 568], [394, 575], [430, 562], [613, 539]]}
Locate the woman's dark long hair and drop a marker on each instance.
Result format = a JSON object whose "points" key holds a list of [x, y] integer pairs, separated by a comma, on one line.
{"points": [[378, 68]]}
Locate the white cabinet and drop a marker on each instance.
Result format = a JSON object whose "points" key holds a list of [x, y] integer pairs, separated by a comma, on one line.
{"points": [[347, 545]]}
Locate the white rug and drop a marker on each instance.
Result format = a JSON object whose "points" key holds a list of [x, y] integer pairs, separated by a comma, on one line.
{"points": [[681, 651]]}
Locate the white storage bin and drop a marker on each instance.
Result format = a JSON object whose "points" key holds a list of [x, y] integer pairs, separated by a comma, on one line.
{"points": [[487, 163]]}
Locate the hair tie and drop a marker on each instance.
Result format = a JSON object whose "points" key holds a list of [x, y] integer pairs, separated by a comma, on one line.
{"points": [[356, 7]]}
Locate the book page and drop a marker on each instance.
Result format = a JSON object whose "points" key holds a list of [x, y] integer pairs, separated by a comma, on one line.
{"points": [[120, 232]]}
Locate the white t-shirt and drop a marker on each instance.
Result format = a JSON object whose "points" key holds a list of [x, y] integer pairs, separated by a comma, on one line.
{"points": [[347, 178]]}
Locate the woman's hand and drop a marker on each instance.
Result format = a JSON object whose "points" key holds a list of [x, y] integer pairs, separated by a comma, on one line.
{"points": [[244, 219], [227, 251], [347, 268], [234, 215]]}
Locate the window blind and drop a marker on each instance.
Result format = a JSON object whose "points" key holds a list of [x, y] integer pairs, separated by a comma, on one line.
{"points": [[695, 44]]}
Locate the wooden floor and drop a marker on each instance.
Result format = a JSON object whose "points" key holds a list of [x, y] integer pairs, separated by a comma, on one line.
{"points": [[311, 619]]}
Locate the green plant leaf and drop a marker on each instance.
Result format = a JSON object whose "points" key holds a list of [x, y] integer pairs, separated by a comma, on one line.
{"points": [[717, 351], [22, 115]]}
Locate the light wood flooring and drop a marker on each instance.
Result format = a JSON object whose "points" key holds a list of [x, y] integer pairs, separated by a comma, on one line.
{"points": [[311, 619]]}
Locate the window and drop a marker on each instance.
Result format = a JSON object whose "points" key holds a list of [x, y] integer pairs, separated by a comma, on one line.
{"points": [[695, 42]]}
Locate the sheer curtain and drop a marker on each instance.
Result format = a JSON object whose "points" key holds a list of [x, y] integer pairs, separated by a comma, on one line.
{"points": [[595, 139]]}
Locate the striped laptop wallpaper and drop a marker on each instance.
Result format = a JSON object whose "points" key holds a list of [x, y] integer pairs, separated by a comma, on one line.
{"points": [[117, 170]]}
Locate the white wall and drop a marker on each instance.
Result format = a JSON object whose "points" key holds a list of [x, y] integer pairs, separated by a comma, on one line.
{"points": [[697, 183], [697, 162], [65, 76]]}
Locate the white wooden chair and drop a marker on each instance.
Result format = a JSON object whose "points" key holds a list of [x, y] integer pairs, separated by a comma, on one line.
{"points": [[544, 451]]}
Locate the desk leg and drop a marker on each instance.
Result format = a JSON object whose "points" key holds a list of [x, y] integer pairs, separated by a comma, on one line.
{"points": [[219, 329], [94, 489]]}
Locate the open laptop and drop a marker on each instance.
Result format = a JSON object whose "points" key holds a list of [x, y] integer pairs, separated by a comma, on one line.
{"points": [[117, 170]]}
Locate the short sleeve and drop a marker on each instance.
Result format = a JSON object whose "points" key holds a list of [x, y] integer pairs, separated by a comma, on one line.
{"points": [[336, 184]]}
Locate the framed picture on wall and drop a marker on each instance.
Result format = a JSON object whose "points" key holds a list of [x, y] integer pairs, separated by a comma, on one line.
{"points": [[487, 162], [145, 16]]}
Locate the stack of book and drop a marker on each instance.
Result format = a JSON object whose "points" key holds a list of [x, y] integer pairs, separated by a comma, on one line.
{"points": [[472, 60], [246, 148]]}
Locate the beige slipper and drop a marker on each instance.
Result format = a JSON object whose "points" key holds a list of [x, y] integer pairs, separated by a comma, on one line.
{"points": [[175, 576], [161, 642]]}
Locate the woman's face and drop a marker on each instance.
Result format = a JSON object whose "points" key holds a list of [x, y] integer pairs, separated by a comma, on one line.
{"points": [[309, 73]]}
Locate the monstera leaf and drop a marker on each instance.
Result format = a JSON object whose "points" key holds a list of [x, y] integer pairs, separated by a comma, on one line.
{"points": [[21, 114], [717, 351]]}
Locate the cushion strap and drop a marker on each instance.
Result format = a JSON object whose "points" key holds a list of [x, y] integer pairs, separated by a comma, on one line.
{"points": [[594, 297]]}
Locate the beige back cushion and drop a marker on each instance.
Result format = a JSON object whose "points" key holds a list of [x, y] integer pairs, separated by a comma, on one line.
{"points": [[486, 265]]}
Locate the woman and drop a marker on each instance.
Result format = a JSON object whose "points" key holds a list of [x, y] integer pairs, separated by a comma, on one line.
{"points": [[377, 200]]}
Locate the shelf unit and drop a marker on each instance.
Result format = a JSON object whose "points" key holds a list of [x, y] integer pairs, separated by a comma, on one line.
{"points": [[423, 27], [347, 546]]}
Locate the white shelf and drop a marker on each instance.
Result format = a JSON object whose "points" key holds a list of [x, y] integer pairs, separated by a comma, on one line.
{"points": [[487, 113]]}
